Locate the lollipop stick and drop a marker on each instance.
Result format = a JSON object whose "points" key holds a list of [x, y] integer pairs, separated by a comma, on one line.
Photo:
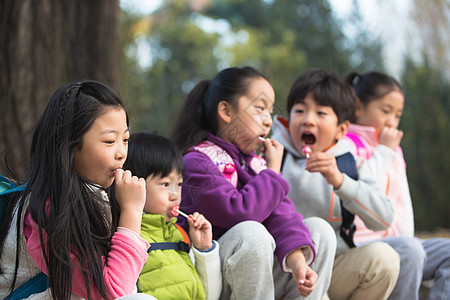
{"points": [[182, 213]]}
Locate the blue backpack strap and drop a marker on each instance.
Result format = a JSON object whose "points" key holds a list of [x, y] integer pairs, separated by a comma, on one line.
{"points": [[346, 164], [283, 159], [184, 245], [7, 187], [37, 284], [180, 246]]}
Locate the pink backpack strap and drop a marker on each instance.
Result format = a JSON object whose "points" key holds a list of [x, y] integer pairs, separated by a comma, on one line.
{"points": [[361, 149], [220, 158]]}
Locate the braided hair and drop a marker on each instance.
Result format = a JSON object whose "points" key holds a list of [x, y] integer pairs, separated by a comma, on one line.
{"points": [[60, 200]]}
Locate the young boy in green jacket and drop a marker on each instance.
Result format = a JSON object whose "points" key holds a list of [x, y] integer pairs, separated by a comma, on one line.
{"points": [[169, 272]]}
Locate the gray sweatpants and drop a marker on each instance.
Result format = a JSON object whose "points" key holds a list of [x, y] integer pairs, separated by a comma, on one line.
{"points": [[421, 260], [251, 271]]}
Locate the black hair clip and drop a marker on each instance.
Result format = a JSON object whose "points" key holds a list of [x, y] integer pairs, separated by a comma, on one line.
{"points": [[356, 79], [78, 86]]}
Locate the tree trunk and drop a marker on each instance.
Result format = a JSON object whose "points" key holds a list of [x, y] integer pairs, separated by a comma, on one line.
{"points": [[43, 45]]}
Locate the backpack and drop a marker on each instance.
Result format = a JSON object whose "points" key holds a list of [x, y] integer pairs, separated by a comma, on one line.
{"points": [[224, 161], [346, 164], [39, 283], [361, 150]]}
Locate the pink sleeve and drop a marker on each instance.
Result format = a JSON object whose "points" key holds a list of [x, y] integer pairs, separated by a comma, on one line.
{"points": [[125, 261]]}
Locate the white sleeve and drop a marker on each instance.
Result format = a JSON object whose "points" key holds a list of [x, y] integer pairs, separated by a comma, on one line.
{"points": [[208, 268], [380, 162], [364, 198]]}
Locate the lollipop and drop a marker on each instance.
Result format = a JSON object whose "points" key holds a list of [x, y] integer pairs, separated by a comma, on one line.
{"points": [[306, 151], [174, 211]]}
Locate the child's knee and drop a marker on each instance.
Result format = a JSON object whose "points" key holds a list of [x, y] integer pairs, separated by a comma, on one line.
{"points": [[411, 250], [247, 244], [322, 233], [384, 259], [253, 236]]}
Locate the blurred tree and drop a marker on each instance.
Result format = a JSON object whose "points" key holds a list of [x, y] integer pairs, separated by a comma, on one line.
{"points": [[287, 37], [432, 20], [312, 24], [427, 107], [44, 44], [426, 142], [280, 38], [182, 54]]}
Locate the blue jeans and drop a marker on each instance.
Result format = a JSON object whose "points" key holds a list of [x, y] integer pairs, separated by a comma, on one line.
{"points": [[412, 261], [437, 266], [421, 260]]}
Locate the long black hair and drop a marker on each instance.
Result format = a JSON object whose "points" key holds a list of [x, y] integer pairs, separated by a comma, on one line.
{"points": [[198, 116], [151, 154], [61, 201], [372, 85]]}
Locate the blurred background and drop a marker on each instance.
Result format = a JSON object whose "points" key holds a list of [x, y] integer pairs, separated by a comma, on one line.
{"points": [[154, 51]]}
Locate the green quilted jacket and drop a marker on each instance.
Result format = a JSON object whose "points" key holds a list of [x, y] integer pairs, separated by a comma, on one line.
{"points": [[168, 274]]}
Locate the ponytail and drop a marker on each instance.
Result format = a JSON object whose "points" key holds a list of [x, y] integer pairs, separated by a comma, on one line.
{"points": [[191, 125], [353, 78], [198, 116], [372, 85]]}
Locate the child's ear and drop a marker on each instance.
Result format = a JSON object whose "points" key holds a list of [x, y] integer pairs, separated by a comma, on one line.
{"points": [[342, 129], [224, 111], [359, 107]]}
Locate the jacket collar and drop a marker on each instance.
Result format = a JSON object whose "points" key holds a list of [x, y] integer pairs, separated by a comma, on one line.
{"points": [[280, 132]]}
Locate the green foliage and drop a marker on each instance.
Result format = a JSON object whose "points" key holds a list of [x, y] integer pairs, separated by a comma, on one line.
{"points": [[182, 55], [280, 38], [426, 143], [315, 31]]}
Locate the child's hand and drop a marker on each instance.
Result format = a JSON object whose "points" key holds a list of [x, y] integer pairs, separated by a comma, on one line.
{"points": [[200, 231], [130, 195], [130, 190], [272, 152], [391, 137], [325, 164], [303, 275]]}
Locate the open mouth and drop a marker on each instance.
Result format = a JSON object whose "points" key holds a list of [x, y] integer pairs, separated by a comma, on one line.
{"points": [[308, 139]]}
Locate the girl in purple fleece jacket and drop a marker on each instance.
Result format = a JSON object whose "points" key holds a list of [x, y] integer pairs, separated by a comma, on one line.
{"points": [[219, 129]]}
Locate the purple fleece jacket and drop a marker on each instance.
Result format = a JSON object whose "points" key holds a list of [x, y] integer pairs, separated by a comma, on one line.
{"points": [[257, 197]]}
